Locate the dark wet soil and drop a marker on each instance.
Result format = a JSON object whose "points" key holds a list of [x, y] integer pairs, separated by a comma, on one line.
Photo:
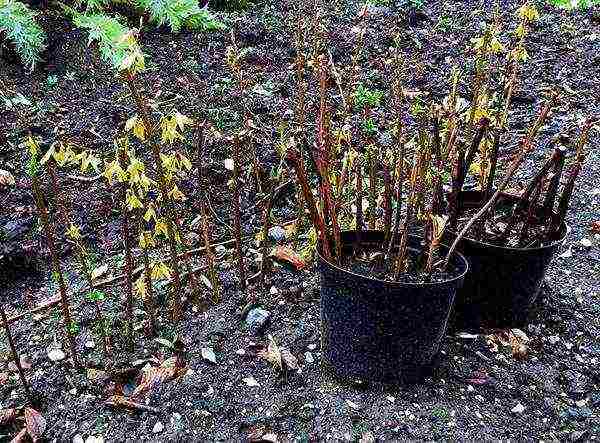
{"points": [[478, 392]]}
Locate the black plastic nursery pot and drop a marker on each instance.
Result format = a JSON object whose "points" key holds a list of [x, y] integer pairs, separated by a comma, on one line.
{"points": [[379, 330], [503, 283]]}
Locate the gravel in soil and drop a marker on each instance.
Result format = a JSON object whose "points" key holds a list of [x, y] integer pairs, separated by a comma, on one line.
{"points": [[478, 392]]}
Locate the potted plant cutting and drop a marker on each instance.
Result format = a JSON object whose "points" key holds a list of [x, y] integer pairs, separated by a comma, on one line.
{"points": [[385, 299]]}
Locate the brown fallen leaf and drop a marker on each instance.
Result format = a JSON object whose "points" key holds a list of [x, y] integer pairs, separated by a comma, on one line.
{"points": [[35, 424], [513, 339], [279, 357], [286, 254], [7, 416], [21, 437], [154, 377], [595, 228], [6, 178]]}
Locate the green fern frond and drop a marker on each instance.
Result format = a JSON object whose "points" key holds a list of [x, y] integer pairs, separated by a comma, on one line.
{"points": [[179, 13], [95, 5], [109, 33], [18, 23]]}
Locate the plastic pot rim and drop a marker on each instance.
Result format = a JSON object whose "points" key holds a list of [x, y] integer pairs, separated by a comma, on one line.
{"points": [[566, 230], [457, 256]]}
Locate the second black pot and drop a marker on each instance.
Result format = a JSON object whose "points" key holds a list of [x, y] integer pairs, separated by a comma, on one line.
{"points": [[503, 283], [380, 330]]}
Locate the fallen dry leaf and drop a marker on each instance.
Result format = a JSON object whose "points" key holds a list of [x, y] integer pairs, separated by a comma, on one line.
{"points": [[6, 178], [279, 357], [153, 377], [21, 437], [7, 416], [513, 339], [35, 424], [285, 254], [595, 228]]}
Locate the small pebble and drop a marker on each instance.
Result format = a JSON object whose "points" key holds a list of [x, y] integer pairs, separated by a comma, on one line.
{"points": [[518, 409], [158, 428]]}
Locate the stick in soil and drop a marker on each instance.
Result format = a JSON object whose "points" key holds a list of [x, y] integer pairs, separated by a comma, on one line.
{"points": [[57, 271], [15, 355], [237, 213]]}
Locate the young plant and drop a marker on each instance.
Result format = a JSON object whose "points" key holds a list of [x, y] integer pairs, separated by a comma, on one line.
{"points": [[144, 128], [86, 160], [33, 170]]}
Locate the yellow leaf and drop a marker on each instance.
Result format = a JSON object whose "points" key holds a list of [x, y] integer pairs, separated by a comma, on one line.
{"points": [[73, 232]]}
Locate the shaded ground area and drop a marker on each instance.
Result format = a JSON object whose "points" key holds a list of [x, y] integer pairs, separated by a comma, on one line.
{"points": [[476, 392]]}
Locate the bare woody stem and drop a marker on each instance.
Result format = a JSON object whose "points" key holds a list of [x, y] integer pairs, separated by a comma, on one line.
{"points": [[387, 185], [237, 228], [359, 194], [145, 115], [57, 271], [524, 149], [531, 213], [126, 233], [265, 261], [15, 355], [205, 223], [210, 258], [294, 159], [567, 193], [81, 252]]}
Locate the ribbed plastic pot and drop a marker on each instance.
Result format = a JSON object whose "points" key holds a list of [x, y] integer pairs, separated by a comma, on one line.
{"points": [[379, 330], [503, 283]]}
